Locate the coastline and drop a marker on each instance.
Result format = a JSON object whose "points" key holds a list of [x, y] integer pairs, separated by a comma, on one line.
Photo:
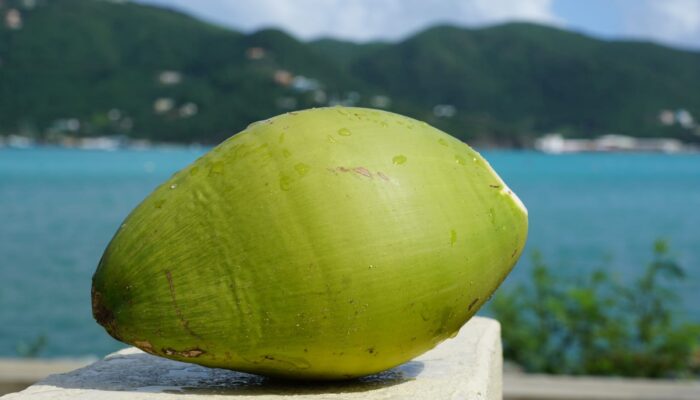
{"points": [[547, 144], [18, 373]]}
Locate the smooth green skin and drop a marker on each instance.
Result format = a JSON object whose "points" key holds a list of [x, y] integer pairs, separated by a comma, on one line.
{"points": [[322, 244]]}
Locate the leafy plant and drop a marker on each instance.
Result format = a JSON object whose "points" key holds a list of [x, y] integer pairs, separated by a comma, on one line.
{"points": [[33, 348], [595, 325]]}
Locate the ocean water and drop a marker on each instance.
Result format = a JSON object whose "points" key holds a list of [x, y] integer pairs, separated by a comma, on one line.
{"points": [[59, 208]]}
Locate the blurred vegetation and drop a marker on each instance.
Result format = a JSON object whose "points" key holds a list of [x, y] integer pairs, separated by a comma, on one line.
{"points": [[81, 59], [33, 348], [596, 325]]}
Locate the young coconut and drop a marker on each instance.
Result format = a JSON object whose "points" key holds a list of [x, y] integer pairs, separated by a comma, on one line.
{"points": [[322, 244]]}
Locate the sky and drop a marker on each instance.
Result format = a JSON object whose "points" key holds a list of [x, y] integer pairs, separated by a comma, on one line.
{"points": [[671, 22]]}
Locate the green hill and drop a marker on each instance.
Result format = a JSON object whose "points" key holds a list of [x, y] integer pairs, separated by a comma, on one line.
{"points": [[82, 58], [92, 67], [345, 53], [532, 79]]}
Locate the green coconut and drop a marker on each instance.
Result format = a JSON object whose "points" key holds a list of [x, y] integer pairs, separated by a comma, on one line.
{"points": [[322, 244]]}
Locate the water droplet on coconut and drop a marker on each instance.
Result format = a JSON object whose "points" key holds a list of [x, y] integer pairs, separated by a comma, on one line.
{"points": [[302, 169], [285, 182], [217, 168], [399, 159]]}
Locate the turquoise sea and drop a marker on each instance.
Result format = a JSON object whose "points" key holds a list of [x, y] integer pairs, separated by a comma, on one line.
{"points": [[59, 208]]}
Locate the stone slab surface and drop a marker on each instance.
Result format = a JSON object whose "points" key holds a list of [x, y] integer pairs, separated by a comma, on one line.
{"points": [[466, 367]]}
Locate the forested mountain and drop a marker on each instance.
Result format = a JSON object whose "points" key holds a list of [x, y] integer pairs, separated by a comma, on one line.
{"points": [[94, 67]]}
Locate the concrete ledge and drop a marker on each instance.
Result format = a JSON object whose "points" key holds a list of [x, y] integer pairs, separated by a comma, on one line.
{"points": [[557, 387], [466, 367]]}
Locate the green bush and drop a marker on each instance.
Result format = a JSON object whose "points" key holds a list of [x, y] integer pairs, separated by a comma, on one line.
{"points": [[33, 348], [595, 325]]}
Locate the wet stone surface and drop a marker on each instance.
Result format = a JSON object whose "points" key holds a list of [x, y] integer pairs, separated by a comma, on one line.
{"points": [[468, 366]]}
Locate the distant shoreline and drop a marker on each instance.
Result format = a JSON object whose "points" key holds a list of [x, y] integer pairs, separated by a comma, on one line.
{"points": [[100, 143], [548, 144]]}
